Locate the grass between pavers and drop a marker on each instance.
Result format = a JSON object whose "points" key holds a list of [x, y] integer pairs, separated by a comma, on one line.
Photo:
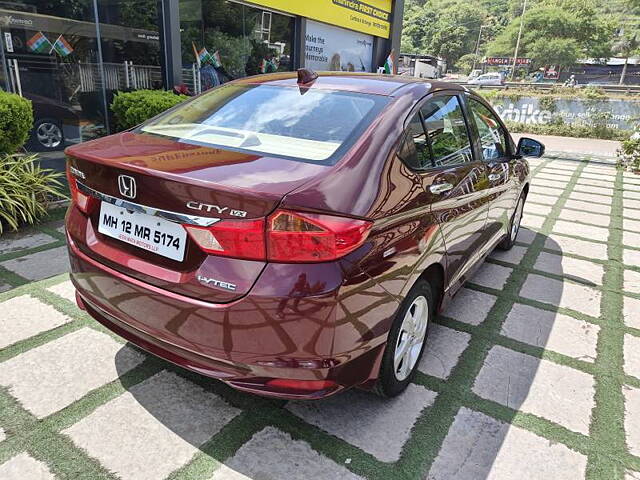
{"points": [[44, 226], [607, 425], [605, 448], [463, 375]]}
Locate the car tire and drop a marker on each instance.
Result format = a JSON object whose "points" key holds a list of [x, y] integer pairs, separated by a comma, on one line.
{"points": [[46, 136], [408, 333], [514, 225]]}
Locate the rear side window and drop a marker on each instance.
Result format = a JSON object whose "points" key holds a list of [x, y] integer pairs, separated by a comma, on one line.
{"points": [[492, 136], [447, 131], [415, 149], [307, 124]]}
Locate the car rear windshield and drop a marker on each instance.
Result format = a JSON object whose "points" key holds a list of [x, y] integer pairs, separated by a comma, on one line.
{"points": [[308, 124]]}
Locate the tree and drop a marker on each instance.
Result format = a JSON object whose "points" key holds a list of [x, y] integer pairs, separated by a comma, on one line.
{"points": [[417, 28], [465, 62], [562, 52], [626, 46], [444, 28], [456, 32], [558, 33]]}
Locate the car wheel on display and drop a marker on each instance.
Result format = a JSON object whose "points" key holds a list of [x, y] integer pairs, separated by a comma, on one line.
{"points": [[406, 341], [514, 226], [46, 135]]}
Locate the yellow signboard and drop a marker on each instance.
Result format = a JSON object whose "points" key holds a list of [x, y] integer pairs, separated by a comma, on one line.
{"points": [[369, 16]]}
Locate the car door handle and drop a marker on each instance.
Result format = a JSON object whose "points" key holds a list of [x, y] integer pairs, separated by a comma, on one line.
{"points": [[438, 188], [493, 177]]}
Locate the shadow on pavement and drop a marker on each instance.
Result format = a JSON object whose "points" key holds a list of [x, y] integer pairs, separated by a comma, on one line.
{"points": [[457, 426]]}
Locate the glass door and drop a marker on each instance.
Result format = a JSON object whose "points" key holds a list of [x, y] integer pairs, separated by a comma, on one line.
{"points": [[51, 58]]}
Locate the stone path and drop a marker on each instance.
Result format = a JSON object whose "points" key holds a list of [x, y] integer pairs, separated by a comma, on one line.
{"points": [[534, 371]]}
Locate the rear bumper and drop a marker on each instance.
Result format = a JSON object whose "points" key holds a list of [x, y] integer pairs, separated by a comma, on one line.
{"points": [[246, 343]]}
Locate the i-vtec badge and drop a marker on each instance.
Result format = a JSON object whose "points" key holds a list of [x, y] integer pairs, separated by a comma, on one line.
{"points": [[205, 207], [217, 283]]}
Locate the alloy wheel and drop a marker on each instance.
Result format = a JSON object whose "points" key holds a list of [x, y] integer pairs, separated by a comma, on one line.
{"points": [[411, 338], [49, 135]]}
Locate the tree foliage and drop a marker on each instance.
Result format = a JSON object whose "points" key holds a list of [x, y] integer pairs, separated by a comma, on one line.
{"points": [[554, 31], [557, 32], [444, 28]]}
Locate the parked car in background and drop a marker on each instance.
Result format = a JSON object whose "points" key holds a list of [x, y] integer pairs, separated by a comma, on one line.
{"points": [[294, 236], [55, 125], [493, 78], [475, 73]]}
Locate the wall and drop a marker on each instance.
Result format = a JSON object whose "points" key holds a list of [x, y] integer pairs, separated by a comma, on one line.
{"points": [[616, 113]]}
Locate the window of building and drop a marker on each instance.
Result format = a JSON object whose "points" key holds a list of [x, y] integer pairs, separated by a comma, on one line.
{"points": [[233, 40], [48, 49]]}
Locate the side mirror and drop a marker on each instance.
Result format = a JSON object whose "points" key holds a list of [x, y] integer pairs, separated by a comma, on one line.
{"points": [[528, 147]]}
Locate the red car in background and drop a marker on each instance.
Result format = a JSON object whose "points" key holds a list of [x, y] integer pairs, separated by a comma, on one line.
{"points": [[293, 235]]}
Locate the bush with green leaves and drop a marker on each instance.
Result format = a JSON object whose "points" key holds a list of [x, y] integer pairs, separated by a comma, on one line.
{"points": [[629, 153], [562, 129], [16, 120], [25, 190], [133, 108]]}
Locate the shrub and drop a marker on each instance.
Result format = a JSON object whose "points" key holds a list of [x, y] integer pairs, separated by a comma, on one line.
{"points": [[133, 108], [569, 130], [555, 92], [592, 92], [547, 103], [629, 153], [25, 190], [16, 120]]}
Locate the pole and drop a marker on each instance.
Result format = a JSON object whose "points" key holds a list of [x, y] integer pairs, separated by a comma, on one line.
{"points": [[4, 64], [96, 19], [477, 48], [515, 54]]}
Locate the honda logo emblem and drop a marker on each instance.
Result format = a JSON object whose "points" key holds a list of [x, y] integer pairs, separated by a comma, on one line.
{"points": [[127, 186]]}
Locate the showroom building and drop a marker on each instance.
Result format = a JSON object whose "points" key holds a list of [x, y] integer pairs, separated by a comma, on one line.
{"points": [[70, 56]]}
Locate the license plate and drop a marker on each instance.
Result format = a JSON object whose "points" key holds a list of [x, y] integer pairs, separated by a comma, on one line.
{"points": [[151, 233]]}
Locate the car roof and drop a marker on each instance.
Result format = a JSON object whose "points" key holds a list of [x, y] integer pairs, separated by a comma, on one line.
{"points": [[377, 84]]}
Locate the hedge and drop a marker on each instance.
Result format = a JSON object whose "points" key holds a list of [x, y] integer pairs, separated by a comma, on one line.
{"points": [[133, 108], [16, 120], [569, 130], [555, 92]]}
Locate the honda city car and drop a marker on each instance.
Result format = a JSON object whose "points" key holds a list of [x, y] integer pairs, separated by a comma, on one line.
{"points": [[293, 235]]}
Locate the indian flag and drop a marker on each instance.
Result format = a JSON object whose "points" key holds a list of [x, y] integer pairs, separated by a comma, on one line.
{"points": [[217, 62], [204, 56], [39, 43], [62, 47], [388, 64]]}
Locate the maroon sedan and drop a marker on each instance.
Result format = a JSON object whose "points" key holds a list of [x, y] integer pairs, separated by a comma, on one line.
{"points": [[293, 235]]}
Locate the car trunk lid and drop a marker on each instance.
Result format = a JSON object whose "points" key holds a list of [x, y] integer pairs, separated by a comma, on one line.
{"points": [[181, 183]]}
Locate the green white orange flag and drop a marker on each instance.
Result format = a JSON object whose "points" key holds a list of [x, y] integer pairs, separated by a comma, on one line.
{"points": [[388, 64], [39, 43], [62, 47]]}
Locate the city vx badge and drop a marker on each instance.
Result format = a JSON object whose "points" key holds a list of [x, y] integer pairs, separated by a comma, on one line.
{"points": [[127, 186]]}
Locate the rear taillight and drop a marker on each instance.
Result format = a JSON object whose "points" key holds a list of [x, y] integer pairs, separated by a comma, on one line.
{"points": [[309, 237], [84, 202], [232, 238], [286, 237]]}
